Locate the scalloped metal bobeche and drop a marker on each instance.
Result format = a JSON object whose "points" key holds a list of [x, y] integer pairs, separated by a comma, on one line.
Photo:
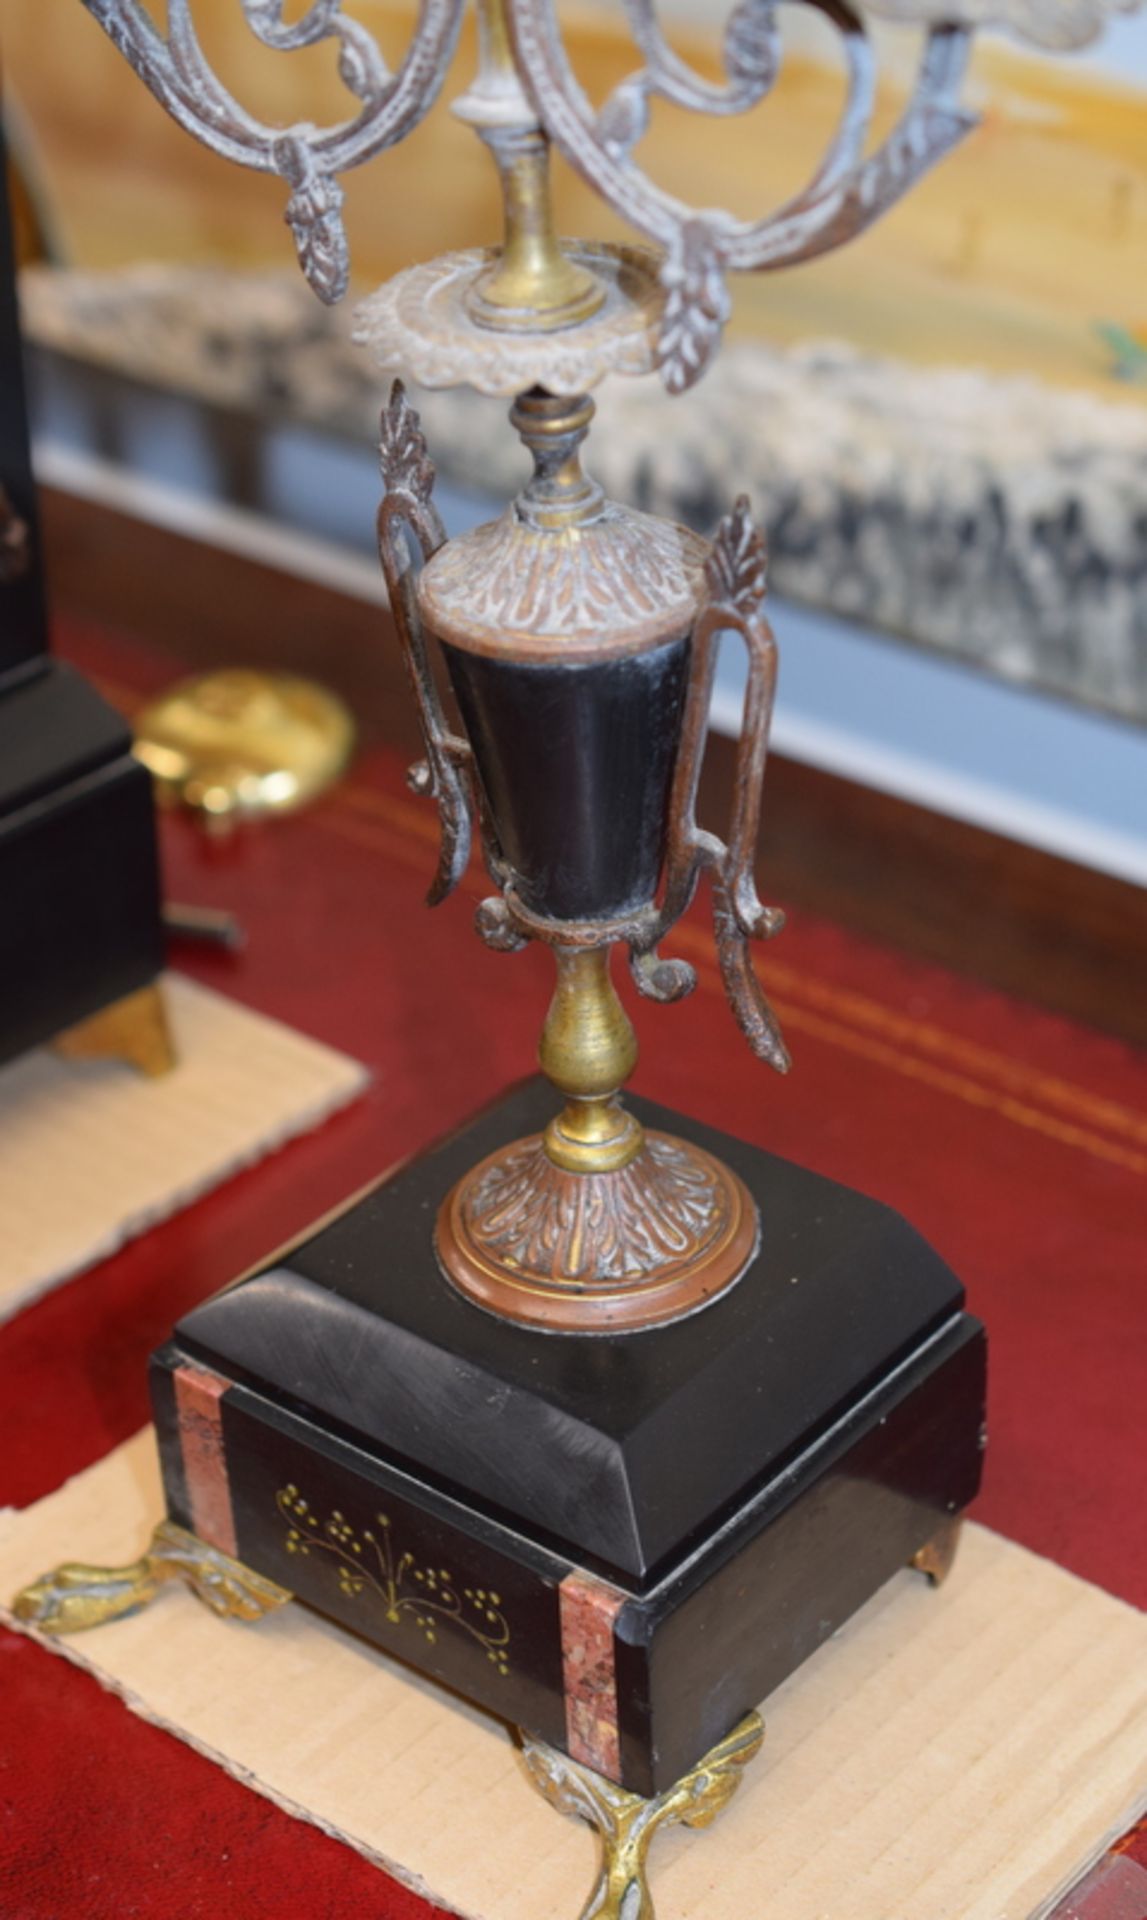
{"points": [[420, 324]]}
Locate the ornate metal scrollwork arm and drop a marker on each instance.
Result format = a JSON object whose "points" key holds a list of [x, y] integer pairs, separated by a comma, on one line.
{"points": [[408, 513], [847, 193], [849, 190], [751, 59], [736, 575], [308, 158]]}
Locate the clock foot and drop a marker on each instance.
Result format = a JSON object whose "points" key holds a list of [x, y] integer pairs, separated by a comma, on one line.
{"points": [[937, 1554], [134, 1029], [626, 1822], [73, 1597]]}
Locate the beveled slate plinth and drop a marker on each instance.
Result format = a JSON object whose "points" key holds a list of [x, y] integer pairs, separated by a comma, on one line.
{"points": [[620, 1542]]}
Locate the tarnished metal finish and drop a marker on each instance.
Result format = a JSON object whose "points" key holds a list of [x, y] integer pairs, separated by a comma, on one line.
{"points": [[850, 189], [736, 576], [652, 1241], [624, 584], [390, 105], [74, 1597], [595, 1226], [564, 572], [408, 514], [526, 95], [533, 285], [589, 1226], [626, 1824], [421, 323], [1061, 26], [588, 1050], [736, 582]]}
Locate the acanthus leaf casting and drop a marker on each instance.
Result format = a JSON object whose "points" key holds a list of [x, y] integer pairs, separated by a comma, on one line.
{"points": [[174, 68]]}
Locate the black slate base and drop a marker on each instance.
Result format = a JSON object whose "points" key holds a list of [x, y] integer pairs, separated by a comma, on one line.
{"points": [[79, 867], [618, 1543]]}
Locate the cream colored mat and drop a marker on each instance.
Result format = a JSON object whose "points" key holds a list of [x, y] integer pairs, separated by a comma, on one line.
{"points": [[957, 1755], [92, 1153]]}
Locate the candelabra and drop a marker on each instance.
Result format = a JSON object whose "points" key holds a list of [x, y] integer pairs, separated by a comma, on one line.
{"points": [[667, 1473]]}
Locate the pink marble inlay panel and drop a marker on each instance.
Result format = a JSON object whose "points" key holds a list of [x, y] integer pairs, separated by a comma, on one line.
{"points": [[197, 1409], [588, 1610]]}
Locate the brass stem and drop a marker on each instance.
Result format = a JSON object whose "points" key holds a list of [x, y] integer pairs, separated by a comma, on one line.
{"points": [[497, 53], [532, 287], [588, 1050], [559, 496]]}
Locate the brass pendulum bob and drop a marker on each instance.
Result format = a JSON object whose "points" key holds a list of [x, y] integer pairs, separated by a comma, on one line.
{"points": [[596, 1225]]}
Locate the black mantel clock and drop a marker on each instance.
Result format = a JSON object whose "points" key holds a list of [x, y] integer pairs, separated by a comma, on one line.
{"points": [[81, 935], [543, 1414]]}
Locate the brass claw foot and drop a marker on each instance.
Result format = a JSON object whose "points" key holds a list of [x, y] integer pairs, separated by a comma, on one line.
{"points": [[937, 1554], [73, 1597], [626, 1823], [133, 1029]]}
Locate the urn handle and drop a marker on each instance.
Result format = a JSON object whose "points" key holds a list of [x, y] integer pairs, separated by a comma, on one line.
{"points": [[736, 577], [409, 520]]}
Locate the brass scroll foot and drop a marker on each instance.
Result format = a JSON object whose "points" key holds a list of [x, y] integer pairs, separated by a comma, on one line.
{"points": [[134, 1029], [73, 1596], [937, 1554], [626, 1823]]}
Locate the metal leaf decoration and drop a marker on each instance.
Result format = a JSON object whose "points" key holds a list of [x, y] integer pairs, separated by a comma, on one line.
{"points": [[314, 215], [696, 306], [403, 455], [736, 578], [173, 67], [850, 189], [752, 45], [625, 116], [407, 507], [737, 568]]}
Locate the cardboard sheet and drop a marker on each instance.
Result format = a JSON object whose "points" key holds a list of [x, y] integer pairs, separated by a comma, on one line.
{"points": [[93, 1153], [955, 1755]]}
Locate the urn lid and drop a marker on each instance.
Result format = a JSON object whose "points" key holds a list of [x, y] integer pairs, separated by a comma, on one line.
{"points": [[563, 571], [619, 583]]}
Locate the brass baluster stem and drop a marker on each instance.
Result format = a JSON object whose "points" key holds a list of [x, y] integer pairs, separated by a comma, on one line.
{"points": [[588, 1050]]}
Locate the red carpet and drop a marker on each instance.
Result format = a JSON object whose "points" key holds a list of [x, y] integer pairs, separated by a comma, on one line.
{"points": [[1015, 1141]]}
